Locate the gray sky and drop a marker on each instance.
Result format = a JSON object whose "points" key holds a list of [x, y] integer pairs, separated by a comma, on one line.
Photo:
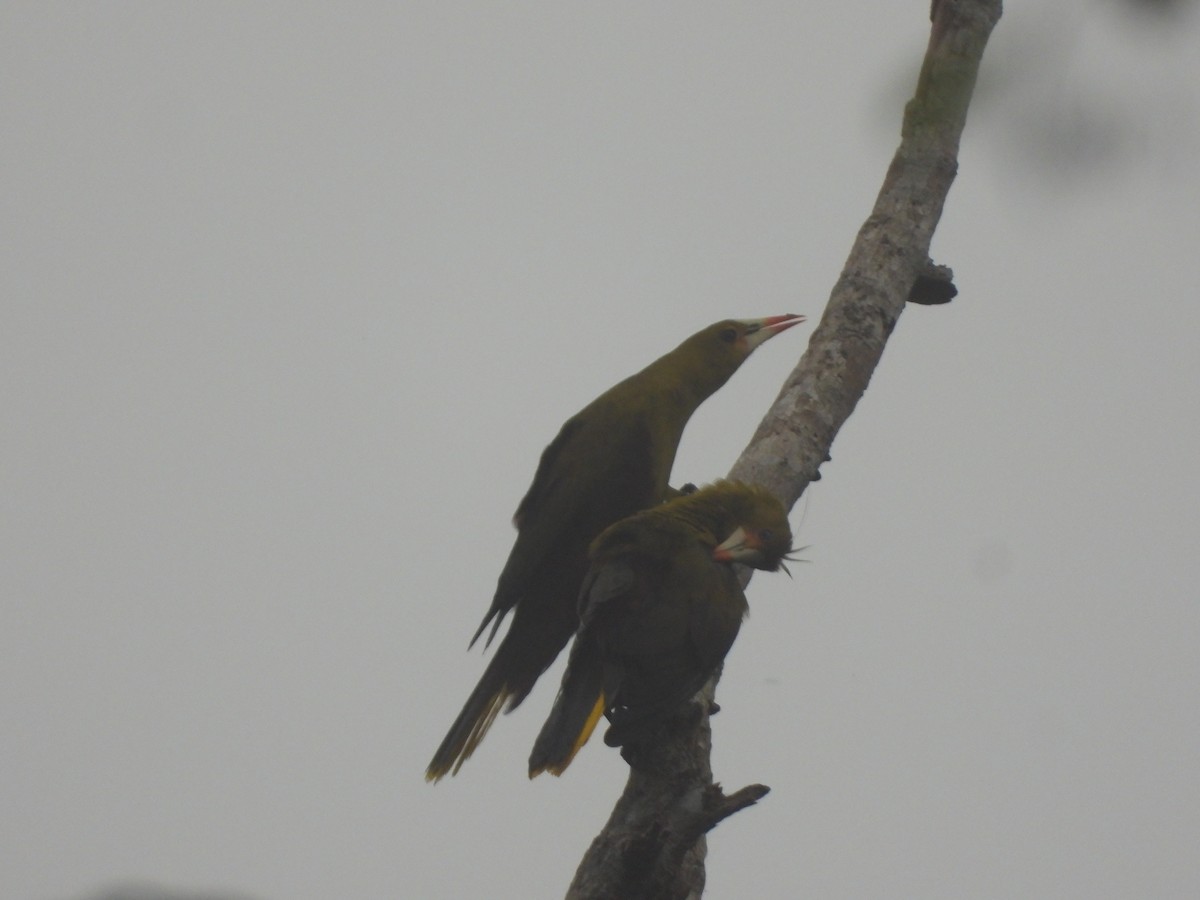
{"points": [[292, 300]]}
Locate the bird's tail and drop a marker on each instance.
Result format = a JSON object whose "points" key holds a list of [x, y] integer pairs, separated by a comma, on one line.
{"points": [[473, 722], [539, 630], [577, 709]]}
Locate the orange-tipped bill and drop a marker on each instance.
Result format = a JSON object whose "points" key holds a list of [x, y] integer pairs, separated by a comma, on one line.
{"points": [[759, 331], [738, 547]]}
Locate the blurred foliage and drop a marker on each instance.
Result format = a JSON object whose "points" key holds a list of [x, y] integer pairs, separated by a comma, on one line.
{"points": [[156, 892], [1081, 90], [1162, 9]]}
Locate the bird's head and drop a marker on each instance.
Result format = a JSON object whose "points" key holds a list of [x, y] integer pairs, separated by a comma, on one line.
{"points": [[761, 536], [711, 356], [756, 545]]}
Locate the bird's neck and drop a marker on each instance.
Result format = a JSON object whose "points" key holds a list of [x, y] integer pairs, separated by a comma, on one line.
{"points": [[674, 388]]}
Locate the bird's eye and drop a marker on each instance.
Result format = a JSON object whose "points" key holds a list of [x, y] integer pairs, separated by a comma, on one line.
{"points": [[765, 534], [729, 335]]}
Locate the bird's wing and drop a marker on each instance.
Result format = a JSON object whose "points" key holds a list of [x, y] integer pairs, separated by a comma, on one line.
{"points": [[544, 478], [604, 584], [716, 618]]}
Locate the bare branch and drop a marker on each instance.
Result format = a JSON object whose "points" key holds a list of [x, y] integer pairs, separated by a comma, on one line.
{"points": [[890, 252], [653, 845]]}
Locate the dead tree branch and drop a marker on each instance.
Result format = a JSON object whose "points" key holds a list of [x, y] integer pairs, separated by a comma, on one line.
{"points": [[653, 844]]}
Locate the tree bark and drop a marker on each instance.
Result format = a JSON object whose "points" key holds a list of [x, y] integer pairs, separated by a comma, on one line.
{"points": [[653, 845]]}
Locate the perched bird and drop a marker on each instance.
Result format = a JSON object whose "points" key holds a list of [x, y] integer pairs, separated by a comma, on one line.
{"points": [[609, 460], [659, 609]]}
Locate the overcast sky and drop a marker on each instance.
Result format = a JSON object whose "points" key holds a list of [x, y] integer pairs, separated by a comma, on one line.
{"points": [[293, 298]]}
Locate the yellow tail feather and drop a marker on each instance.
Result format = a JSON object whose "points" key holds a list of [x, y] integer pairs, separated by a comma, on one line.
{"points": [[437, 771], [584, 733]]}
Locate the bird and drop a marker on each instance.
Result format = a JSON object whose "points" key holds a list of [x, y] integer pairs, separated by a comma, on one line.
{"points": [[660, 607], [611, 459]]}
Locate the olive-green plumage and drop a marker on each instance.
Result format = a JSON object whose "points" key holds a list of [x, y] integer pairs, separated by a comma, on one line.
{"points": [[659, 609], [610, 460]]}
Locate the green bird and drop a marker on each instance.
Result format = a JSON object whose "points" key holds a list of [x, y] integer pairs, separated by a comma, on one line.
{"points": [[609, 460], [659, 608]]}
